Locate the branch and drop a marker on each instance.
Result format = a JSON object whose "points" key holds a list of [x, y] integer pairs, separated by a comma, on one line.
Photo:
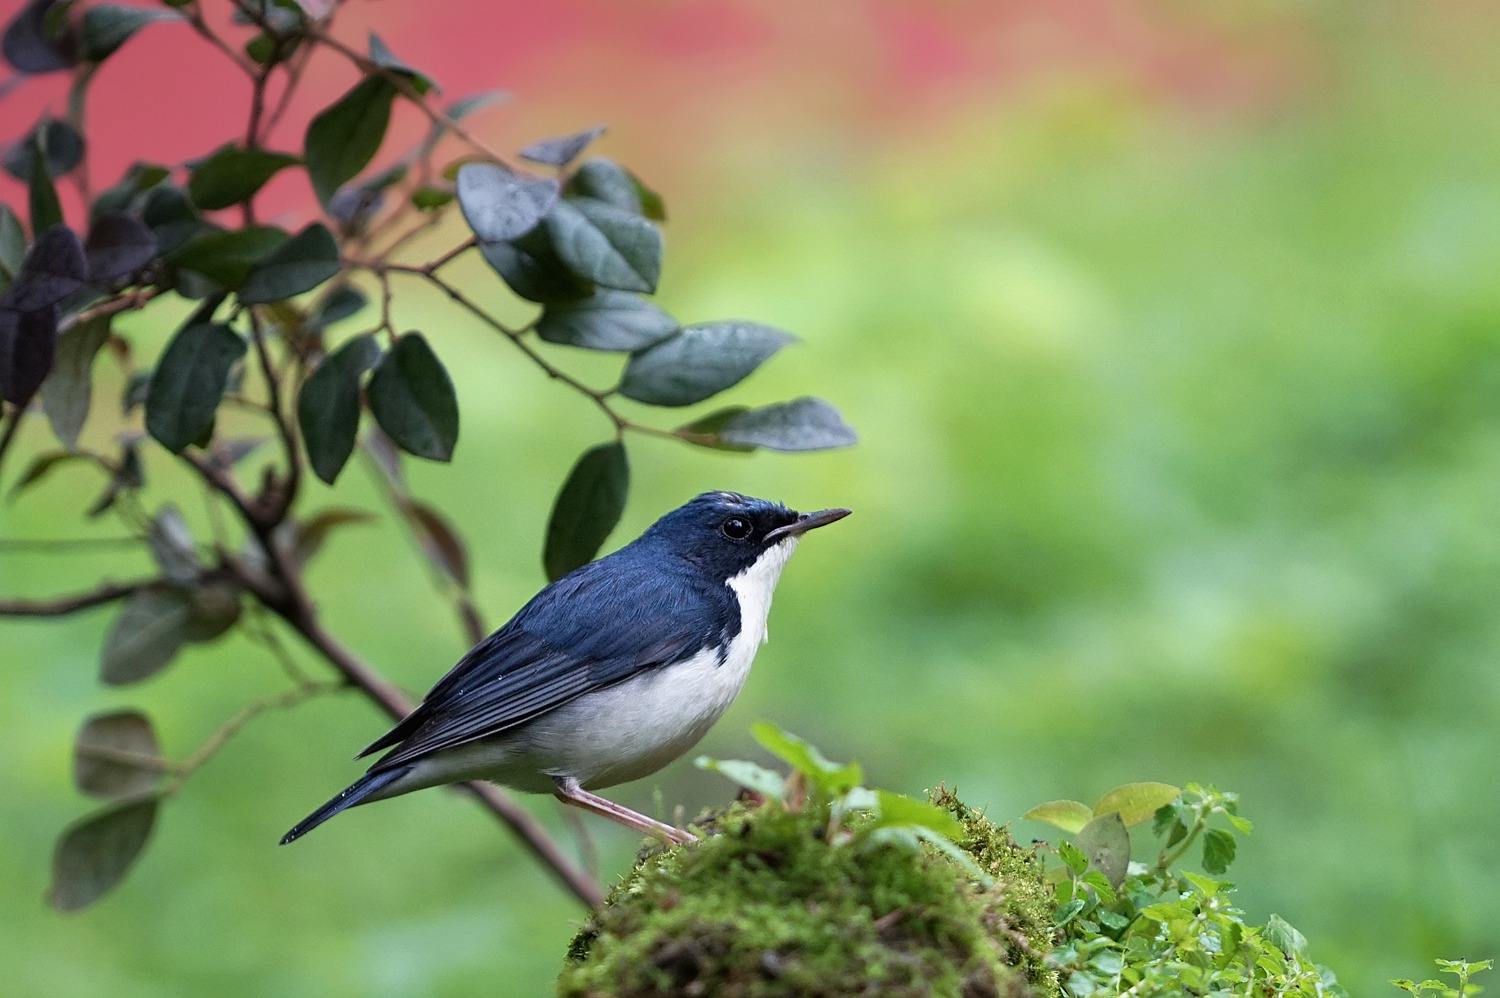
{"points": [[61, 606], [284, 429]]}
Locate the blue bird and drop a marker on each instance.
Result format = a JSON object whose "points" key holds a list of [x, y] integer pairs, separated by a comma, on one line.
{"points": [[608, 674]]}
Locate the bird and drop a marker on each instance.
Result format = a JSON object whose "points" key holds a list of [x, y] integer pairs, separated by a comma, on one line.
{"points": [[608, 674]]}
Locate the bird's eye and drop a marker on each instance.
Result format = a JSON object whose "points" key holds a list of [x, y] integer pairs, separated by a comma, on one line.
{"points": [[736, 528]]}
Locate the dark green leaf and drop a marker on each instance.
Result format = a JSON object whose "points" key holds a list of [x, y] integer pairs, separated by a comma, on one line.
{"points": [[227, 256], [60, 146], [28, 344], [699, 362], [189, 381], [12, 246], [500, 205], [270, 49], [798, 425], [116, 755], [601, 243], [343, 139], [300, 264], [53, 269], [126, 195], [562, 150], [587, 508], [328, 405], [31, 47], [151, 628], [411, 397], [117, 245], [382, 56], [232, 174], [1107, 845], [108, 26], [42, 202], [607, 320], [171, 217], [440, 542], [1218, 850], [95, 853], [215, 609], [68, 388], [342, 302], [704, 431], [532, 269]]}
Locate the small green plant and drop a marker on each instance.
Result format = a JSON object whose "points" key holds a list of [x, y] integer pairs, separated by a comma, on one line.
{"points": [[1125, 927], [1461, 969]]}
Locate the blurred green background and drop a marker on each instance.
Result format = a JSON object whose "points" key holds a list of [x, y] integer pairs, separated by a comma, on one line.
{"points": [[1173, 339]]}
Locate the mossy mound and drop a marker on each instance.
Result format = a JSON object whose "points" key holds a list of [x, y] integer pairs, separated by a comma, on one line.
{"points": [[764, 907]]}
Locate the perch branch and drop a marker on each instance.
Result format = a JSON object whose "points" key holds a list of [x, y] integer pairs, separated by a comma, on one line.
{"points": [[61, 606]]}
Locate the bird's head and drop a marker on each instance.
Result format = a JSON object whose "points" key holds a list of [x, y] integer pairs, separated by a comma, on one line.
{"points": [[727, 533]]}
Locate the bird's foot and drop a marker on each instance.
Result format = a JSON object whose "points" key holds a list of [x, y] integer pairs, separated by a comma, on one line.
{"points": [[569, 792]]}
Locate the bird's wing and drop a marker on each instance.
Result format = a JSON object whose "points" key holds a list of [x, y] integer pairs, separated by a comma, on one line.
{"points": [[587, 631]]}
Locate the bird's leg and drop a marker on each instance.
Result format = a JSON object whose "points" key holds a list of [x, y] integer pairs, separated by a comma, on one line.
{"points": [[569, 792]]}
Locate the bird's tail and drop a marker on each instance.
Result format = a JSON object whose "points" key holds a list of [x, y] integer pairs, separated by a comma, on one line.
{"points": [[357, 792]]}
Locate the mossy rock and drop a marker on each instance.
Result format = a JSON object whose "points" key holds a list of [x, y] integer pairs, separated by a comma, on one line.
{"points": [[763, 906]]}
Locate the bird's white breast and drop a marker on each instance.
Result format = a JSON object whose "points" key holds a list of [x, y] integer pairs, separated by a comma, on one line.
{"points": [[634, 728]]}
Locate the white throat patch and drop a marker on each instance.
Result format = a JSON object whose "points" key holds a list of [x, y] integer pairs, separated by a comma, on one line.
{"points": [[754, 587]]}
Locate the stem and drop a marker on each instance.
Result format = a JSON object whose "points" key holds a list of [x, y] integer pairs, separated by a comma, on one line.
{"points": [[59, 606], [221, 735]]}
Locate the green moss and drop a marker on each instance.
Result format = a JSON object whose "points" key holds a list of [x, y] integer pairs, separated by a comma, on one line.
{"points": [[765, 907]]}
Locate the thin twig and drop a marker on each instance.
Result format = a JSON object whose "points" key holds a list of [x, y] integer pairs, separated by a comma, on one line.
{"points": [[59, 606], [22, 545], [283, 425], [221, 736], [198, 24]]}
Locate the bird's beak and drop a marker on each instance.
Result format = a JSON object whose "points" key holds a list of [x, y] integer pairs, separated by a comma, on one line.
{"points": [[806, 522]]}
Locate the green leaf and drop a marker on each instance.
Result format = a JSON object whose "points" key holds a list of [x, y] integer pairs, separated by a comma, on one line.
{"points": [[603, 244], [108, 26], [344, 137], [704, 431], [1069, 815], [607, 320], [412, 398], [763, 781], [1218, 850], [232, 174], [830, 777], [382, 56], [40, 467], [52, 270], [171, 545], [562, 150], [1137, 802], [1107, 845], [430, 198], [500, 205], [146, 636], [587, 508], [189, 382], [533, 270], [59, 143], [117, 245], [45, 208], [227, 256], [898, 809], [67, 390], [1073, 858], [699, 362], [310, 534], [171, 217], [31, 47], [95, 853], [113, 755], [1101, 885], [607, 181], [799, 425], [1281, 934], [328, 405], [342, 302], [12, 246], [300, 264]]}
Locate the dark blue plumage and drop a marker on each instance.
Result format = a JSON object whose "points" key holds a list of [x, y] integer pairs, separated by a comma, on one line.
{"points": [[672, 599]]}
